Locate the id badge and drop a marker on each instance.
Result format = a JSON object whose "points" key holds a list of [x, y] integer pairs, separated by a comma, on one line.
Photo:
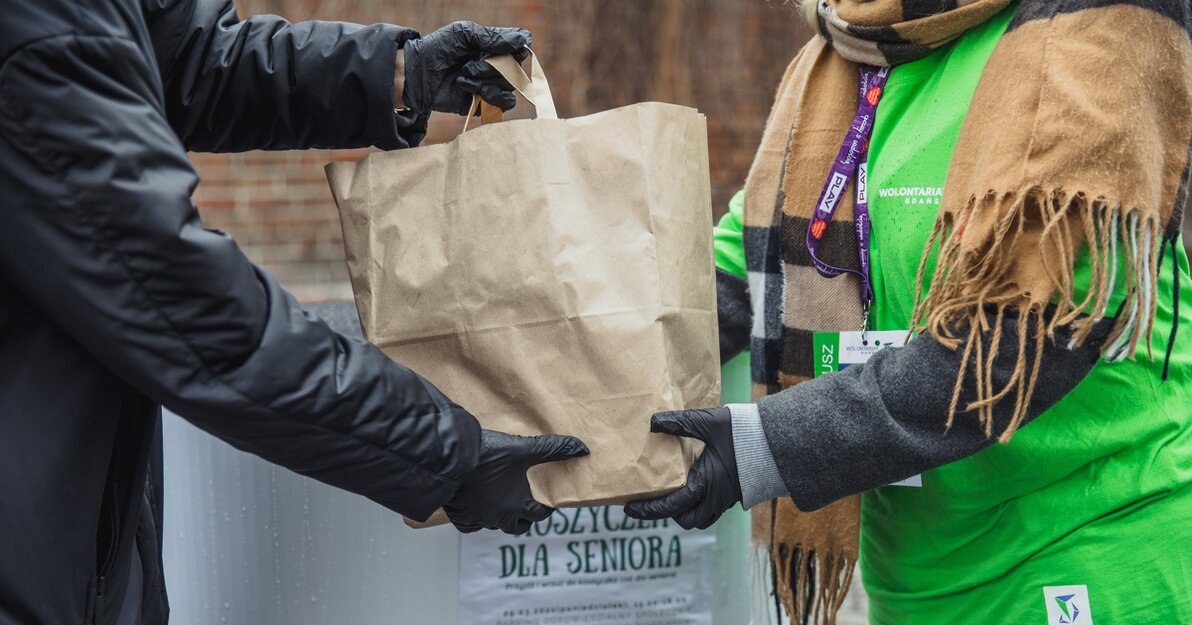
{"points": [[836, 351]]}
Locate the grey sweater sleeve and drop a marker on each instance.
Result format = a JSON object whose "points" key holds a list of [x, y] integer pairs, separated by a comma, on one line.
{"points": [[756, 470], [884, 421]]}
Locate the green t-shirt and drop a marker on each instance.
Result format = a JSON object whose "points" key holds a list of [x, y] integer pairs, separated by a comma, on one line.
{"points": [[727, 240], [1097, 492]]}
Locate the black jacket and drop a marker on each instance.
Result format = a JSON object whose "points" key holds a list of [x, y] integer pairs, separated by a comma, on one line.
{"points": [[114, 300]]}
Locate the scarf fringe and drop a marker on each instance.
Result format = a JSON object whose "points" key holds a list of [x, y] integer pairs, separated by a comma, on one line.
{"points": [[763, 609], [972, 282], [811, 585]]}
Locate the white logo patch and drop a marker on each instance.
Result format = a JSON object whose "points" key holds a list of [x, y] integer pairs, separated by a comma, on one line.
{"points": [[1068, 605]]}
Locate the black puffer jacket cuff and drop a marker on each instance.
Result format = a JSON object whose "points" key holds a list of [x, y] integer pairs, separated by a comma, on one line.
{"points": [[408, 127], [409, 131]]}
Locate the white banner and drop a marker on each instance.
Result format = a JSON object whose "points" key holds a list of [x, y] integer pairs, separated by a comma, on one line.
{"points": [[588, 566]]}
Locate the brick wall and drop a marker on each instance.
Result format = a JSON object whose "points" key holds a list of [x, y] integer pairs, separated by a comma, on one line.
{"points": [[724, 57]]}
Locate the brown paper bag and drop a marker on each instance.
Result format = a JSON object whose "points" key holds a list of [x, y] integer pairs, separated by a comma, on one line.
{"points": [[550, 276]]}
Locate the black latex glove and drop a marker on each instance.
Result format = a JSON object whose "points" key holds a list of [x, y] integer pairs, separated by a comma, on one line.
{"points": [[444, 69], [496, 494], [712, 485]]}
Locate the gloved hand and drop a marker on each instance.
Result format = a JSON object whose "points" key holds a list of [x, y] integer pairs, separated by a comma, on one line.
{"points": [[712, 484], [444, 69], [496, 494]]}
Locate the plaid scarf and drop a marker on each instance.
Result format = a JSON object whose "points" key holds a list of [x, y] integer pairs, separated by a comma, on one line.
{"points": [[1077, 138]]}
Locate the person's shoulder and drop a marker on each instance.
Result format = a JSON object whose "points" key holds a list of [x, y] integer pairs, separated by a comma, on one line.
{"points": [[814, 47], [26, 23], [804, 57], [1179, 12]]}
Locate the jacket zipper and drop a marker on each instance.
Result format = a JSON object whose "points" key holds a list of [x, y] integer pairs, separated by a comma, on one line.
{"points": [[109, 559]]}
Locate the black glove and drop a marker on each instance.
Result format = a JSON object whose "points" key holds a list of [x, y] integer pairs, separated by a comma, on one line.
{"points": [[444, 69], [496, 494], [712, 485]]}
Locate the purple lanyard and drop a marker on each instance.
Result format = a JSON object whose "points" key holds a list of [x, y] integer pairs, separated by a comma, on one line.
{"points": [[853, 159]]}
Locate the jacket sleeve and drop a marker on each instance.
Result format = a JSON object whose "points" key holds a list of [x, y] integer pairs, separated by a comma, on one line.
{"points": [[884, 421], [98, 230], [733, 305], [264, 83]]}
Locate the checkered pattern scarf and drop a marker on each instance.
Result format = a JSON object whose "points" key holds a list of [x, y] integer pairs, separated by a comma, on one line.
{"points": [[1077, 138]]}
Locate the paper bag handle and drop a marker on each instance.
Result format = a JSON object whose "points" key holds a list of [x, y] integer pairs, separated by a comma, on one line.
{"points": [[535, 90]]}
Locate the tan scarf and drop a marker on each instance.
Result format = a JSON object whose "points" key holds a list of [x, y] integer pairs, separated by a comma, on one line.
{"points": [[1077, 137]]}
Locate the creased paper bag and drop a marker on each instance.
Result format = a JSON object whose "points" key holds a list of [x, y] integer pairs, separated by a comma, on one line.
{"points": [[550, 276]]}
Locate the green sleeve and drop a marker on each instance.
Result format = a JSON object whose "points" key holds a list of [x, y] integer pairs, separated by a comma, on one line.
{"points": [[728, 239]]}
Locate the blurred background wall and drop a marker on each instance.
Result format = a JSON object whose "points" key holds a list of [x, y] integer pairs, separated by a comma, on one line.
{"points": [[724, 57]]}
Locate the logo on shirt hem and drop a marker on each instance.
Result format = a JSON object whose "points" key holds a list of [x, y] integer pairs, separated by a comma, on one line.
{"points": [[1068, 605]]}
